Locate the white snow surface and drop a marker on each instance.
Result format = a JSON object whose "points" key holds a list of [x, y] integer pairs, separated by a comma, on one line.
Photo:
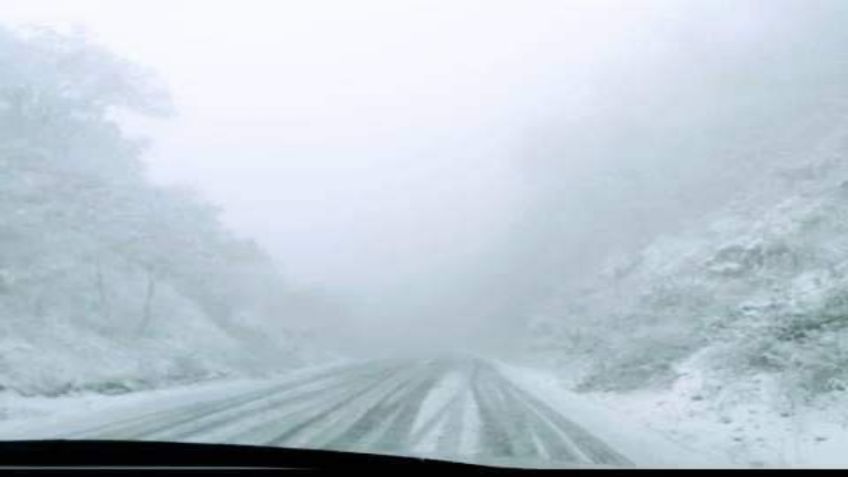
{"points": [[35, 417], [743, 432], [616, 425]]}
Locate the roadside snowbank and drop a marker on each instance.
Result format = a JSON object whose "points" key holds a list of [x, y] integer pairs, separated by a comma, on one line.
{"points": [[704, 421], [749, 433], [39, 417], [616, 424]]}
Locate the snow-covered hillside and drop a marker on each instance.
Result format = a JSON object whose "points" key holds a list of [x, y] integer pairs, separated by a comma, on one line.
{"points": [[740, 319], [107, 282]]}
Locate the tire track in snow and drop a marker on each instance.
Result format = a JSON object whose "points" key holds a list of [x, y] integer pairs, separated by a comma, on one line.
{"points": [[289, 394], [380, 407], [347, 425], [140, 426], [280, 427], [330, 409], [397, 435], [590, 446], [364, 432]]}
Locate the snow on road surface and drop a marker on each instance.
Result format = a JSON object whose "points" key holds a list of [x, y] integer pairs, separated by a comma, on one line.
{"points": [[462, 409]]}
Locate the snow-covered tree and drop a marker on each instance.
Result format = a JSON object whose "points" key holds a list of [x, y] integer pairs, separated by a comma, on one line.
{"points": [[105, 277]]}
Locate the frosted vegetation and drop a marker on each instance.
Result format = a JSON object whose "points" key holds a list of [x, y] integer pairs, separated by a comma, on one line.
{"points": [[732, 268], [755, 289], [107, 282]]}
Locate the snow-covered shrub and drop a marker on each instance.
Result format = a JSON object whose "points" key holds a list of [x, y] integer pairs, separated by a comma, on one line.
{"points": [[108, 282], [757, 288]]}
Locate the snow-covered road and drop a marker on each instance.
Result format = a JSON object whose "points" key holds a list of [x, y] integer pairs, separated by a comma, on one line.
{"points": [[462, 409]]}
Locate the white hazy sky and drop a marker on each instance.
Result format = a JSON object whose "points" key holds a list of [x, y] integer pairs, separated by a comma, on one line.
{"points": [[364, 143]]}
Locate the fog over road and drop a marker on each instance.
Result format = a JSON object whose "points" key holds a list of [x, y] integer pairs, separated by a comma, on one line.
{"points": [[456, 408]]}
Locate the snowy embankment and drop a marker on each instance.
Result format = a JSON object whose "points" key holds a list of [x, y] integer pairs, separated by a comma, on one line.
{"points": [[648, 445], [109, 281], [32, 417], [748, 424], [731, 335], [745, 424]]}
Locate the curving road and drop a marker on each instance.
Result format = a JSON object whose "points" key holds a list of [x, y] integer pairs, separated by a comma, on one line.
{"points": [[462, 409]]}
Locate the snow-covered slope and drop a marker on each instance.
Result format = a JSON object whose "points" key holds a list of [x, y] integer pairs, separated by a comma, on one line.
{"points": [[740, 320], [758, 286], [108, 282], [732, 334]]}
